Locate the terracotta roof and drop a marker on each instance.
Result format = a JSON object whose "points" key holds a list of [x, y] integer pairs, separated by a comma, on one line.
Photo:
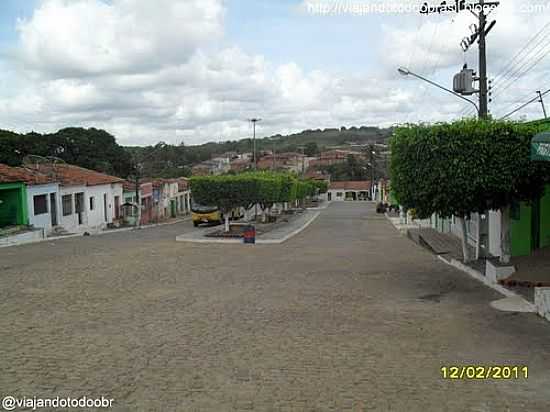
{"points": [[316, 175], [70, 175], [10, 174], [359, 185], [129, 186]]}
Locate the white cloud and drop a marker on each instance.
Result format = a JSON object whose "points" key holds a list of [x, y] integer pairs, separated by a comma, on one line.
{"points": [[89, 37], [149, 71]]}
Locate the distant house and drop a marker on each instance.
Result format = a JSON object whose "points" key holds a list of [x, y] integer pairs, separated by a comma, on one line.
{"points": [[131, 202], [316, 175], [183, 196], [332, 157], [289, 161], [349, 190], [214, 166], [240, 164]]}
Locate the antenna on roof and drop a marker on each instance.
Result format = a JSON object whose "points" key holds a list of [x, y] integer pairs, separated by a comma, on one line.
{"points": [[34, 162]]}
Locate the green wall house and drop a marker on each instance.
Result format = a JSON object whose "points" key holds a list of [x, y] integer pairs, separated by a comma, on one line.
{"points": [[530, 225], [13, 204]]}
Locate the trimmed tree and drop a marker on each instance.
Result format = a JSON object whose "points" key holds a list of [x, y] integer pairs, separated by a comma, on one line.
{"points": [[269, 188], [225, 192], [466, 167]]}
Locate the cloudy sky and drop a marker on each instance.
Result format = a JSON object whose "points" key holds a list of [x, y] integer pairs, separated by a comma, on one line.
{"points": [[196, 70]]}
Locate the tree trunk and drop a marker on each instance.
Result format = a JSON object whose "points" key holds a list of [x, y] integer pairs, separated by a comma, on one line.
{"points": [[465, 250], [227, 223], [264, 214], [505, 246]]}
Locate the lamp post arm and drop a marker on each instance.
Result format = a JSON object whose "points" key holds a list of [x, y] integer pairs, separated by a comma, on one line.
{"points": [[444, 88]]}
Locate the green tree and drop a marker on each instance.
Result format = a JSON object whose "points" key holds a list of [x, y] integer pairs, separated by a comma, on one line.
{"points": [[465, 167], [311, 149], [226, 192]]}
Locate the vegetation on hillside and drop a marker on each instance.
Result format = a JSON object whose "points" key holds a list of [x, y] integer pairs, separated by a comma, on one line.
{"points": [[98, 150]]}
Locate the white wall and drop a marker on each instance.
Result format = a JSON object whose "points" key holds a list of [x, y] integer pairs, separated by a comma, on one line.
{"points": [[43, 221], [96, 217], [343, 198], [93, 220], [70, 222], [334, 198]]}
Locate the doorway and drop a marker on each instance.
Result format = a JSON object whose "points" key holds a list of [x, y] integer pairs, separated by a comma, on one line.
{"points": [[117, 207], [79, 206], [105, 207], [53, 209]]}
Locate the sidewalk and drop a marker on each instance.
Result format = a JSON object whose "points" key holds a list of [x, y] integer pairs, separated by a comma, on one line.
{"points": [[448, 249]]}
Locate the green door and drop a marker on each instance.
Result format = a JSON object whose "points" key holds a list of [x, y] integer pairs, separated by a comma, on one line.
{"points": [[173, 208], [535, 224]]}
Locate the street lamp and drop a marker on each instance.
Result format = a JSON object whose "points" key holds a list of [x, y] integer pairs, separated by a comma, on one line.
{"points": [[406, 72], [254, 121]]}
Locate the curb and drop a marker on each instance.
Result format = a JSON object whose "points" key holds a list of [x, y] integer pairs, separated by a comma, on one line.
{"points": [[479, 277], [327, 204], [182, 238]]}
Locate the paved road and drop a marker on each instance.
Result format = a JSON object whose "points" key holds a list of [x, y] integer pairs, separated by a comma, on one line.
{"points": [[346, 316]]}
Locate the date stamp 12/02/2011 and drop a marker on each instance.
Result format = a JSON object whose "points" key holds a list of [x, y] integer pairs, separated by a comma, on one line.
{"points": [[481, 372]]}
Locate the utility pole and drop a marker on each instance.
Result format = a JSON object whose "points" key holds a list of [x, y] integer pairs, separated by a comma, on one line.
{"points": [[483, 106], [254, 121], [463, 81], [541, 100]]}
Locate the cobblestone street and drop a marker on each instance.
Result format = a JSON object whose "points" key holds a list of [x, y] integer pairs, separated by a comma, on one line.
{"points": [[346, 316]]}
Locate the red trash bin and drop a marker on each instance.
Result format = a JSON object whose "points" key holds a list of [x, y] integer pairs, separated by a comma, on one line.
{"points": [[249, 235]]}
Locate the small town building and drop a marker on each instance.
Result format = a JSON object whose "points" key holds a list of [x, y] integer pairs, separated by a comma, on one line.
{"points": [[14, 196], [131, 202], [332, 157], [88, 201], [349, 191], [183, 196], [214, 166]]}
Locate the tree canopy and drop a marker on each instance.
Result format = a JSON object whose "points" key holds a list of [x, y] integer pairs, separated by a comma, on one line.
{"points": [[245, 189], [90, 148], [465, 167]]}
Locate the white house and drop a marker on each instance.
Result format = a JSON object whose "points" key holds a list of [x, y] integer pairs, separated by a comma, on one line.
{"points": [[350, 191], [43, 206], [88, 201]]}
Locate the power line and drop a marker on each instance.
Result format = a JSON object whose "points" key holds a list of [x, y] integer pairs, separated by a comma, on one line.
{"points": [[509, 66], [539, 96], [518, 74], [534, 54], [517, 101]]}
